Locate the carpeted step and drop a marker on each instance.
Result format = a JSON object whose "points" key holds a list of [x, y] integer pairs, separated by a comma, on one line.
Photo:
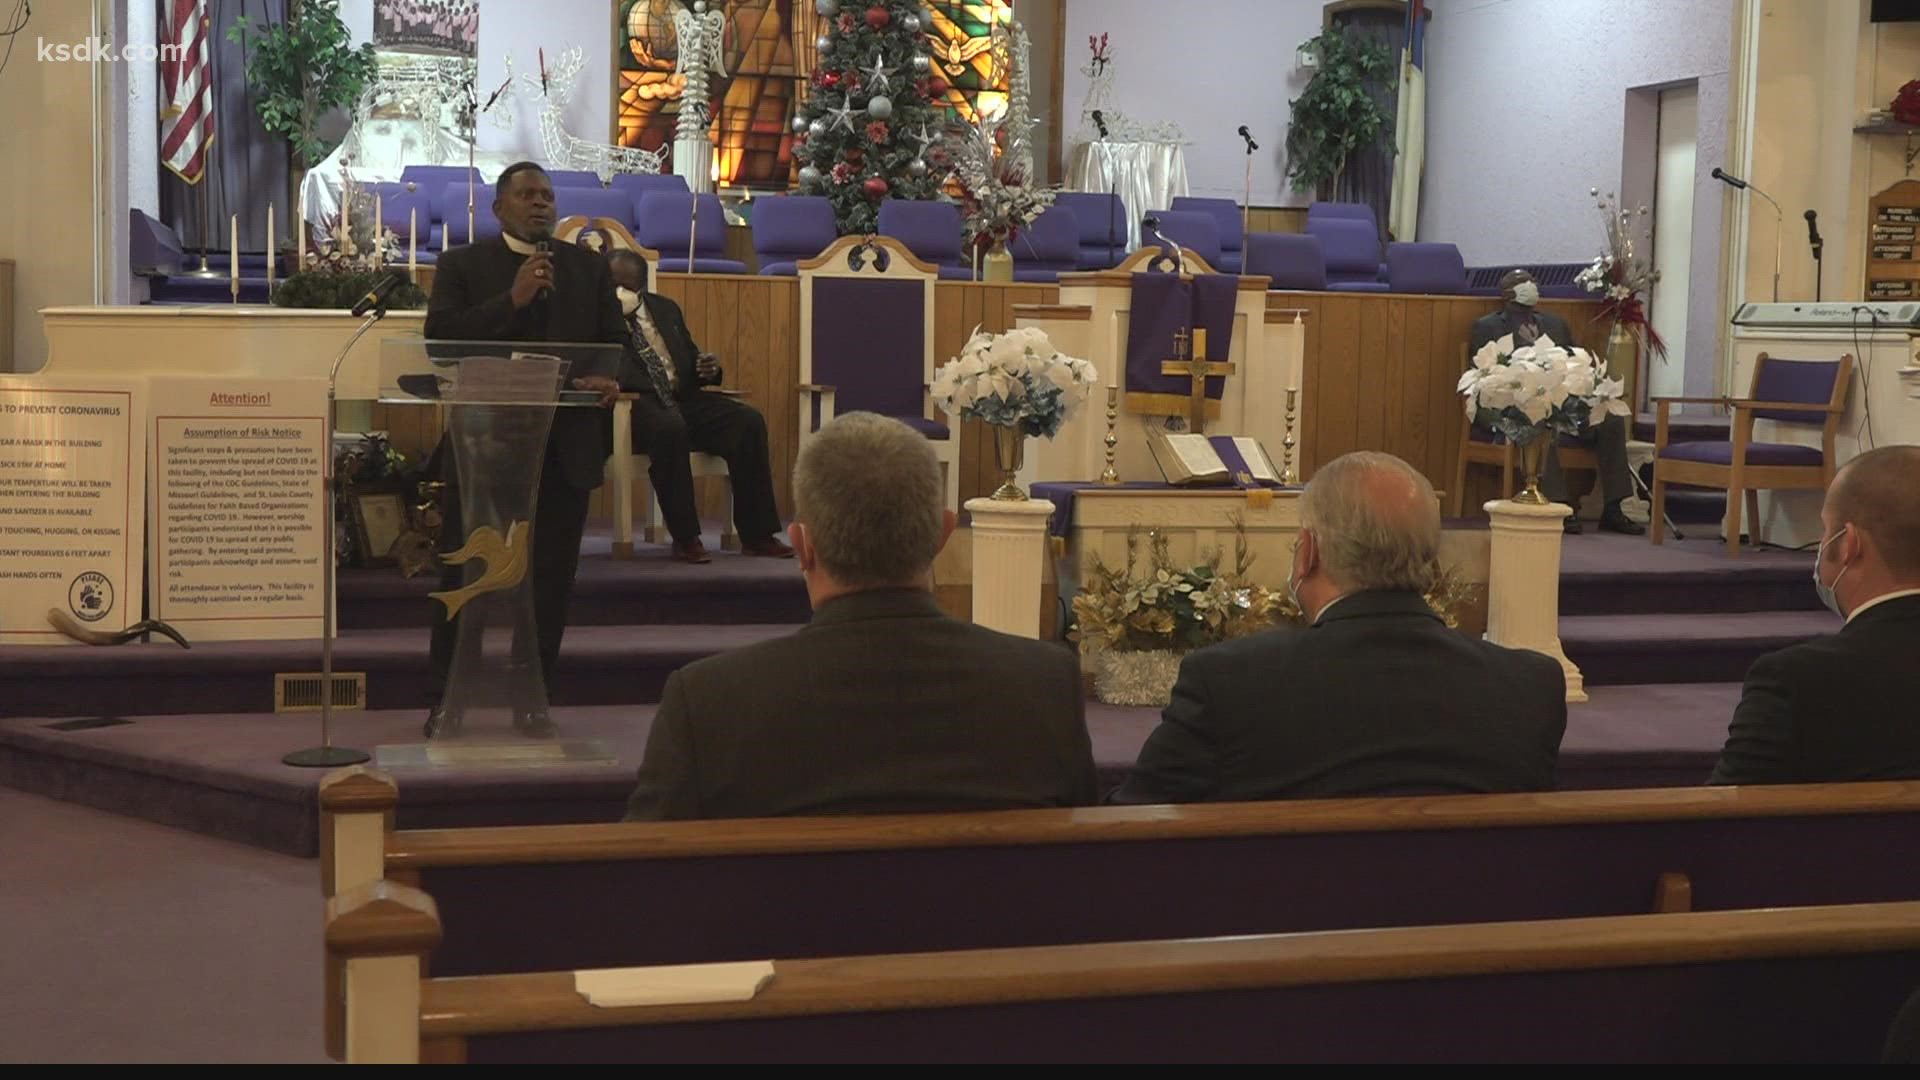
{"points": [[650, 589], [599, 665], [1616, 650], [1609, 574]]}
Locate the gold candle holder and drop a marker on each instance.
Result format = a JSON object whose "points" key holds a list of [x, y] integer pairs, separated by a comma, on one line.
{"points": [[1111, 476], [1288, 474]]}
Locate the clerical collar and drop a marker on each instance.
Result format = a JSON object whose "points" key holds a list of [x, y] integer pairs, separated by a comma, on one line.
{"points": [[517, 245]]}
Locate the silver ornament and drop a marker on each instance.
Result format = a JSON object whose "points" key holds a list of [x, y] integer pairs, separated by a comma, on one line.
{"points": [[829, 8], [799, 124], [916, 168], [822, 44], [809, 177], [817, 129], [880, 106], [922, 65], [911, 23]]}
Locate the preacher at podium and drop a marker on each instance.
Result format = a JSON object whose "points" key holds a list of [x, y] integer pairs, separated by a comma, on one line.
{"points": [[522, 288]]}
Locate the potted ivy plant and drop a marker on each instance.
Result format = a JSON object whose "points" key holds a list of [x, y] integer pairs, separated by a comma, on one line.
{"points": [[1336, 114]]}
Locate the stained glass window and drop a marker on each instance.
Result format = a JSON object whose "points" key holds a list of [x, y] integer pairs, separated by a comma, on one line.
{"points": [[768, 47], [961, 43]]}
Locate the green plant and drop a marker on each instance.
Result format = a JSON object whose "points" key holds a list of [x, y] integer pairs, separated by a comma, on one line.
{"points": [[1336, 115], [300, 69], [328, 287]]}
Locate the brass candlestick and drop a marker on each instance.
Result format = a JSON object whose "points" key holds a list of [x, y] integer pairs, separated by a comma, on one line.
{"points": [[1288, 475], [1112, 476]]}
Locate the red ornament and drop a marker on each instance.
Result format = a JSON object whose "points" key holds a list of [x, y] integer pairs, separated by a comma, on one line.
{"points": [[937, 88], [875, 187], [1906, 104], [855, 156], [878, 17], [828, 79]]}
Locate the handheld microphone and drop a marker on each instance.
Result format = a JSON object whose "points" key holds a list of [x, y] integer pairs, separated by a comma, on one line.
{"points": [[1251, 145], [1813, 231], [1100, 122], [376, 297], [1721, 174], [546, 290]]}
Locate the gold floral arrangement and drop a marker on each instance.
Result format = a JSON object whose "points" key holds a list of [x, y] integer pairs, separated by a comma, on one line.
{"points": [[1181, 608]]}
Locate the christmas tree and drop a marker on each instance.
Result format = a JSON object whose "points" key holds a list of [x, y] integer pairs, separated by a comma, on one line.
{"points": [[865, 128]]}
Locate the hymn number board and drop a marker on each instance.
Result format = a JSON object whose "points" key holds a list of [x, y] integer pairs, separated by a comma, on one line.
{"points": [[1893, 243]]}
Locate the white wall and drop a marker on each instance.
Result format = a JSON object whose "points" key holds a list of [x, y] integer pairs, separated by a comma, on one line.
{"points": [[47, 174], [142, 138], [1208, 67], [1679, 125], [523, 28]]}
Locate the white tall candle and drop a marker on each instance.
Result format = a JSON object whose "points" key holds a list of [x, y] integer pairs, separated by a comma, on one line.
{"points": [[379, 226], [273, 250], [413, 233], [233, 257]]}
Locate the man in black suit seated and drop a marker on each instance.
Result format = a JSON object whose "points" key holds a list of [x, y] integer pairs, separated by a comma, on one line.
{"points": [[1521, 318], [1846, 706], [1376, 696], [674, 415], [882, 703], [523, 287]]}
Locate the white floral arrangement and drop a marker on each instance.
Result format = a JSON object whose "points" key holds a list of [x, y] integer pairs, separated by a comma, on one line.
{"points": [[1013, 379], [1525, 392]]}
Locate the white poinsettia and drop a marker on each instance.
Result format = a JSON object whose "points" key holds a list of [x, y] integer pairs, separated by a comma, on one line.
{"points": [[1016, 378], [1526, 391]]}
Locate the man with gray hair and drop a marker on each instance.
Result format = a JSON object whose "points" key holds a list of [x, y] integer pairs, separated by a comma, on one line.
{"points": [[1842, 707], [882, 703], [1376, 696]]}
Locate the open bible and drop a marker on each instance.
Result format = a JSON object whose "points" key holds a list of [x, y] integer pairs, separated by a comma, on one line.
{"points": [[1189, 460]]}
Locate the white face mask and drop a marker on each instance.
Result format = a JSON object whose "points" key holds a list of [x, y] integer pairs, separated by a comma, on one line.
{"points": [[629, 300], [1526, 293], [1825, 590]]}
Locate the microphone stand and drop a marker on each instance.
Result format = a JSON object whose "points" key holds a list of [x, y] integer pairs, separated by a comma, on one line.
{"points": [[1779, 226], [327, 755], [1113, 185], [1246, 202], [1819, 271]]}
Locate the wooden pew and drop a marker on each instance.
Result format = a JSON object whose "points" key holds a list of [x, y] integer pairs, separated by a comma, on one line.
{"points": [[576, 896], [1794, 984]]}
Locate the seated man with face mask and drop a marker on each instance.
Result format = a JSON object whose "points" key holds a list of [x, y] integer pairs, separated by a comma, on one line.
{"points": [[673, 416], [1522, 319]]}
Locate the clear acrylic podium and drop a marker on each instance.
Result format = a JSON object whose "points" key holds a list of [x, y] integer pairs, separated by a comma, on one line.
{"points": [[498, 405]]}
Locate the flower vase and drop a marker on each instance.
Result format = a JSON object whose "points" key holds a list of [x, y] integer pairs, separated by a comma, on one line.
{"points": [[1533, 459], [1623, 362], [1009, 454], [997, 265]]}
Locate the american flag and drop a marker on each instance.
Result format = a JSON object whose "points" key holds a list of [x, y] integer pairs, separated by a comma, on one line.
{"points": [[186, 76]]}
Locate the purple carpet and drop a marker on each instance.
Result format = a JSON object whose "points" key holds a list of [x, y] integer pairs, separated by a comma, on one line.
{"points": [[221, 773]]}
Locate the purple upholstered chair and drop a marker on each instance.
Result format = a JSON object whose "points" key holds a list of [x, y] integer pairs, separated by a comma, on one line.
{"points": [[1434, 269], [1047, 248], [1103, 226], [595, 203], [637, 185], [866, 342], [1291, 260], [450, 206], [573, 178], [788, 228], [1194, 230], [1352, 248], [931, 230], [1233, 233], [1318, 211], [1806, 393], [402, 209], [662, 225]]}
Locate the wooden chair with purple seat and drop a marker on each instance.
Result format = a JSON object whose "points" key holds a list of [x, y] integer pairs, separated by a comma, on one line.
{"points": [[1805, 393]]}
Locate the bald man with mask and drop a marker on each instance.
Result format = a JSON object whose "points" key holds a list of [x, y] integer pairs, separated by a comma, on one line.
{"points": [[1520, 316], [1376, 696]]}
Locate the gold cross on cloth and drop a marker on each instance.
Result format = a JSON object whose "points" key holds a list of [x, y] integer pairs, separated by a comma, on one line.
{"points": [[1199, 370]]}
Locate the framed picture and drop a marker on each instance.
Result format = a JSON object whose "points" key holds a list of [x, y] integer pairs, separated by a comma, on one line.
{"points": [[379, 518]]}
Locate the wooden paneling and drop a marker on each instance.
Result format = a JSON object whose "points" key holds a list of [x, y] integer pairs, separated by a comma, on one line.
{"points": [[1277, 219], [1380, 370], [6, 315]]}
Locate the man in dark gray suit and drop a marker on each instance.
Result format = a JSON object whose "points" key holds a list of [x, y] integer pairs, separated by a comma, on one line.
{"points": [[1521, 318], [1377, 696], [882, 703]]}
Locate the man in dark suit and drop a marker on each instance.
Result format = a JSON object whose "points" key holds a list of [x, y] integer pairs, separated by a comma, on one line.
{"points": [[1521, 318], [522, 287], [674, 414], [1376, 696], [882, 703], [1846, 706]]}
